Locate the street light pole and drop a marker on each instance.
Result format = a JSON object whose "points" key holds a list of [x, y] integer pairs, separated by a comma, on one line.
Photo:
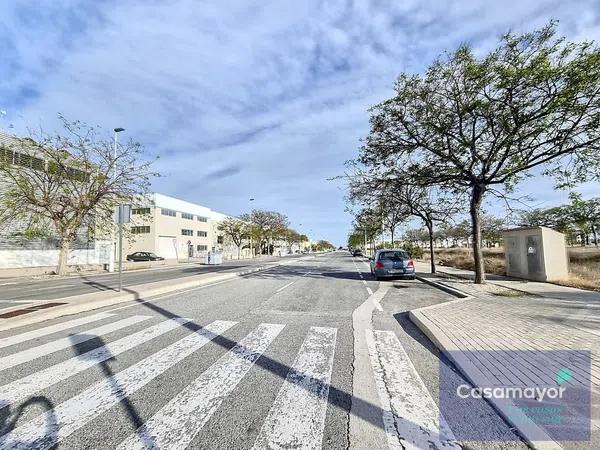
{"points": [[120, 212]]}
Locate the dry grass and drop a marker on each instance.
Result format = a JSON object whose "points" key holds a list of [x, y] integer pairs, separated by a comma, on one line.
{"points": [[584, 264]]}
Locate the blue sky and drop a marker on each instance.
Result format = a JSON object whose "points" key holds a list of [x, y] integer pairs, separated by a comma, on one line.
{"points": [[240, 99]]}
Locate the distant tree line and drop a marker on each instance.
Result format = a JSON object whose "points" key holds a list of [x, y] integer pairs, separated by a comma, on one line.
{"points": [[578, 220]]}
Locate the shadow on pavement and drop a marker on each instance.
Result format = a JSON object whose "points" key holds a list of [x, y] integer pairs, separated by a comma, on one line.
{"points": [[8, 422], [92, 342]]}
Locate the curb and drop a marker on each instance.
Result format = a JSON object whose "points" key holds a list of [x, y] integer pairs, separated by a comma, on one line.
{"points": [[89, 302], [443, 287], [495, 283], [475, 377]]}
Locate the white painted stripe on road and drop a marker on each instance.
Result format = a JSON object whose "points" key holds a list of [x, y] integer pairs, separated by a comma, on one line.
{"points": [[290, 283], [23, 337], [60, 344], [364, 282], [377, 303], [287, 285], [24, 387], [176, 424], [297, 417], [53, 426], [410, 416]]}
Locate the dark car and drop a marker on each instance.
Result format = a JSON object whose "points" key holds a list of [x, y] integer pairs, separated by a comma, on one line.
{"points": [[144, 256], [392, 263], [357, 252]]}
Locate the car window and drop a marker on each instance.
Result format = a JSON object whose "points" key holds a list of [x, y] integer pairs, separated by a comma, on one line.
{"points": [[394, 256], [152, 254]]}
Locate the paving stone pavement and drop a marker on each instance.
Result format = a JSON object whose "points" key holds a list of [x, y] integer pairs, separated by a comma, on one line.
{"points": [[495, 320]]}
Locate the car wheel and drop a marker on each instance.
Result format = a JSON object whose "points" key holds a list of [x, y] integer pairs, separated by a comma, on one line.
{"points": [[377, 278]]}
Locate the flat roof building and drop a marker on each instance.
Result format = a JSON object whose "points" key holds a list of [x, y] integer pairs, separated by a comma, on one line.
{"points": [[173, 228]]}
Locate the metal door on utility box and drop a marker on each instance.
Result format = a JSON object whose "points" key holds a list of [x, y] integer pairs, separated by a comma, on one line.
{"points": [[534, 254]]}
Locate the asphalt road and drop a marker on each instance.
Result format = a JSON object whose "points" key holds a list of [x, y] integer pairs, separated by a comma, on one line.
{"points": [[263, 361], [49, 288]]}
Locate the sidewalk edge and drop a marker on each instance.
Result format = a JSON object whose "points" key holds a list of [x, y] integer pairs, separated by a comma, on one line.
{"points": [[444, 287]]}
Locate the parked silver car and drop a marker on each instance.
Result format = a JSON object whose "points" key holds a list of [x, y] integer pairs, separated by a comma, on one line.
{"points": [[392, 263]]}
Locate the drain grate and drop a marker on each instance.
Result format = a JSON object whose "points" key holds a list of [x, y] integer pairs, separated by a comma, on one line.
{"points": [[29, 309]]}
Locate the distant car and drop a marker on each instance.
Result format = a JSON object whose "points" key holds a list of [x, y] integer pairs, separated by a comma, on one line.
{"points": [[357, 252], [392, 263], [144, 256]]}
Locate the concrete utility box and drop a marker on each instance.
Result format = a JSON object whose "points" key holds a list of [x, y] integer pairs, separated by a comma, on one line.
{"points": [[537, 253]]}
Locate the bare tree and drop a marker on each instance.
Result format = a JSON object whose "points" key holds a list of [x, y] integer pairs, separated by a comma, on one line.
{"points": [[67, 181], [266, 225], [236, 230]]}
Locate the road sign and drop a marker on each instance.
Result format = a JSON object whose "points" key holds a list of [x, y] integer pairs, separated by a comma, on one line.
{"points": [[123, 214]]}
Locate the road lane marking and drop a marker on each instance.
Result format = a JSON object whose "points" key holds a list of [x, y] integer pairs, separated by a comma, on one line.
{"points": [[187, 290], [26, 386], [175, 424], [290, 283], [24, 356], [371, 293], [411, 418], [286, 286], [48, 429], [297, 417], [40, 332]]}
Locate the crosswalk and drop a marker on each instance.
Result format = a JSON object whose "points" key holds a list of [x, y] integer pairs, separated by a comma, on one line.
{"points": [[296, 418]]}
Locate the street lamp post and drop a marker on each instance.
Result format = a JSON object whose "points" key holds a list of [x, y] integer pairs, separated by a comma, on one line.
{"points": [[120, 212]]}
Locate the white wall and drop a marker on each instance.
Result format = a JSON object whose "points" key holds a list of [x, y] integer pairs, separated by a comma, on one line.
{"points": [[11, 259]]}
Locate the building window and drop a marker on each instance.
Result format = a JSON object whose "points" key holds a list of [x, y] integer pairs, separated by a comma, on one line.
{"points": [[140, 211], [187, 216], [201, 248], [219, 239], [187, 232], [168, 212], [140, 230], [202, 219], [202, 234]]}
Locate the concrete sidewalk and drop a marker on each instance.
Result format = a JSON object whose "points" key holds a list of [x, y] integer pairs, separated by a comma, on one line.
{"points": [[504, 322], [40, 311]]}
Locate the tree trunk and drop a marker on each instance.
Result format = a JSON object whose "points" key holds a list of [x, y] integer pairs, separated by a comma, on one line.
{"points": [[475, 212], [595, 234], [239, 250], [429, 225], [392, 233], [63, 257]]}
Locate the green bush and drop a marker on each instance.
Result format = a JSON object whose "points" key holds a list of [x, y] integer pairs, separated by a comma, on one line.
{"points": [[413, 250]]}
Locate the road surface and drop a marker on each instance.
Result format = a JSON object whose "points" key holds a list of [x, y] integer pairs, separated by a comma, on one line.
{"points": [[269, 360], [49, 288]]}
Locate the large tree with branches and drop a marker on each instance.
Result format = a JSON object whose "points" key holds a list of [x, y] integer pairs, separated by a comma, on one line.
{"points": [[58, 183], [484, 123]]}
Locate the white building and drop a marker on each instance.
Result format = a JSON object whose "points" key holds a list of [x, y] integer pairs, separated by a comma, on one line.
{"points": [[176, 229]]}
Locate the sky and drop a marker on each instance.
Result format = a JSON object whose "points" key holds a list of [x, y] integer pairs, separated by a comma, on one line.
{"points": [[247, 99]]}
